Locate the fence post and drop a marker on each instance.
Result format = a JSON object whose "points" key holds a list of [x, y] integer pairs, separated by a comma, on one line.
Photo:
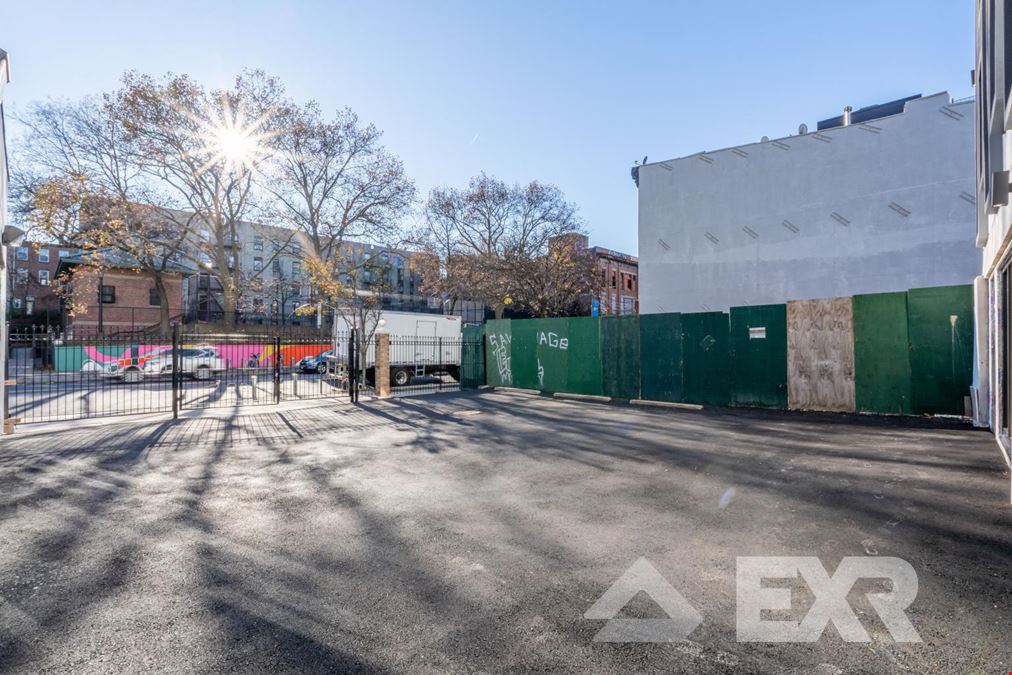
{"points": [[352, 367], [277, 369], [440, 370], [175, 371], [382, 367]]}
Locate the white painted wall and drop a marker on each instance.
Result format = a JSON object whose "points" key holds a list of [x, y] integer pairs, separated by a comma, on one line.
{"points": [[922, 160], [4, 79]]}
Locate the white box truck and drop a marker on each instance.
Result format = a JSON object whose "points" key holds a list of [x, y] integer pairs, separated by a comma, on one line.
{"points": [[420, 344]]}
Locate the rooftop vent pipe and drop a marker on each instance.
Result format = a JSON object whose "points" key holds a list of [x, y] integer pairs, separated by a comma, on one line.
{"points": [[846, 115]]}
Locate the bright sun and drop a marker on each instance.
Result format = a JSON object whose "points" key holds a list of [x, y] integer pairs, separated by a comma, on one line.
{"points": [[232, 142]]}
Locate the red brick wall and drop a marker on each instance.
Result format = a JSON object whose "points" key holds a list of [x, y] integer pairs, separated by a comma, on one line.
{"points": [[625, 275], [131, 308], [43, 295]]}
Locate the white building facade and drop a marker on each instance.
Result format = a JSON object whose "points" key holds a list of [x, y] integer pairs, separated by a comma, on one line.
{"points": [[993, 297], [880, 199], [5, 76]]}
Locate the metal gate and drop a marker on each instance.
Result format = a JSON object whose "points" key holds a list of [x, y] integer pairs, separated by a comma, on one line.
{"points": [[213, 371], [64, 377]]}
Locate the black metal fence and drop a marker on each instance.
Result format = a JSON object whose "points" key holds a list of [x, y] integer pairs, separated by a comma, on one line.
{"points": [[422, 365], [58, 377]]}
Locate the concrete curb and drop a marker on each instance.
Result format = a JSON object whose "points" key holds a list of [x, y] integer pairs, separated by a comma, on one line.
{"points": [[666, 404], [583, 397], [517, 390]]}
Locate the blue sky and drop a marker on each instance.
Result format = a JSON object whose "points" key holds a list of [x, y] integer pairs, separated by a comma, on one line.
{"points": [[564, 92]]}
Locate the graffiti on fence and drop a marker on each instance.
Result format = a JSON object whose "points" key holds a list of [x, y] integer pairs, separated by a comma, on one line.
{"points": [[501, 351], [553, 340]]}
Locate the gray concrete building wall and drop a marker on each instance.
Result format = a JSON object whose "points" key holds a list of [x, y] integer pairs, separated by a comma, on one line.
{"points": [[884, 205]]}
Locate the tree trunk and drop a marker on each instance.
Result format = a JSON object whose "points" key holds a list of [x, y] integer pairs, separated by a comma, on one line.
{"points": [[228, 304], [163, 304]]}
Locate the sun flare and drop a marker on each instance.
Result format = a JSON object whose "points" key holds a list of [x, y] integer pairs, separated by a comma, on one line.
{"points": [[232, 142]]}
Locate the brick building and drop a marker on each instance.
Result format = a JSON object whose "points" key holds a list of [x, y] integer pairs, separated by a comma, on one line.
{"points": [[620, 285], [128, 299], [31, 272]]}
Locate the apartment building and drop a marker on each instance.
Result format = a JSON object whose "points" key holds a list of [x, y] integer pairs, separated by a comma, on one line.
{"points": [[877, 199], [31, 276], [620, 284], [273, 265], [993, 289]]}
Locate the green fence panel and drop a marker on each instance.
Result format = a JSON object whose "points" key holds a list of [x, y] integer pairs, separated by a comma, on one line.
{"points": [[881, 353], [940, 324], [472, 357], [620, 356], [706, 362], [524, 352], [759, 356], [498, 353], [552, 353], [661, 357], [584, 355]]}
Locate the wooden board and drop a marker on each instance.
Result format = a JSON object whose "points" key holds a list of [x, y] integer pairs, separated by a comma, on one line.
{"points": [[820, 355]]}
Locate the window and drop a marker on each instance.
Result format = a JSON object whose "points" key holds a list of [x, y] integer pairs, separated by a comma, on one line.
{"points": [[231, 262], [43, 277], [276, 267], [153, 297], [296, 268], [613, 280], [296, 248], [628, 283], [258, 264], [16, 303], [108, 295], [204, 234], [22, 276], [22, 253], [258, 243], [64, 253], [43, 255]]}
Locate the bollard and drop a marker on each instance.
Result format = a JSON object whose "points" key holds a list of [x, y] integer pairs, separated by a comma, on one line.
{"points": [[253, 379], [295, 384], [382, 369]]}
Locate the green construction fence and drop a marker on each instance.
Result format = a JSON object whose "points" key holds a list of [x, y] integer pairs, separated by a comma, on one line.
{"points": [[913, 354]]}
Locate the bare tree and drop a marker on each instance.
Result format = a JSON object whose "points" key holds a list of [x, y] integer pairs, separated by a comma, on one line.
{"points": [[80, 185], [201, 149], [333, 181], [505, 245]]}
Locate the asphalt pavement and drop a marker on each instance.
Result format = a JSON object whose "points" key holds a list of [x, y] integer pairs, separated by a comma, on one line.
{"points": [[471, 533]]}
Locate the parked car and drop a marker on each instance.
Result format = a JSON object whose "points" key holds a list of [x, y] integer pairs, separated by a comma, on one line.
{"points": [[200, 363], [314, 364]]}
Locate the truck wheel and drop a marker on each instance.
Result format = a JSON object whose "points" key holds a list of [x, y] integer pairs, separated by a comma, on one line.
{"points": [[132, 375], [202, 373], [399, 377]]}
